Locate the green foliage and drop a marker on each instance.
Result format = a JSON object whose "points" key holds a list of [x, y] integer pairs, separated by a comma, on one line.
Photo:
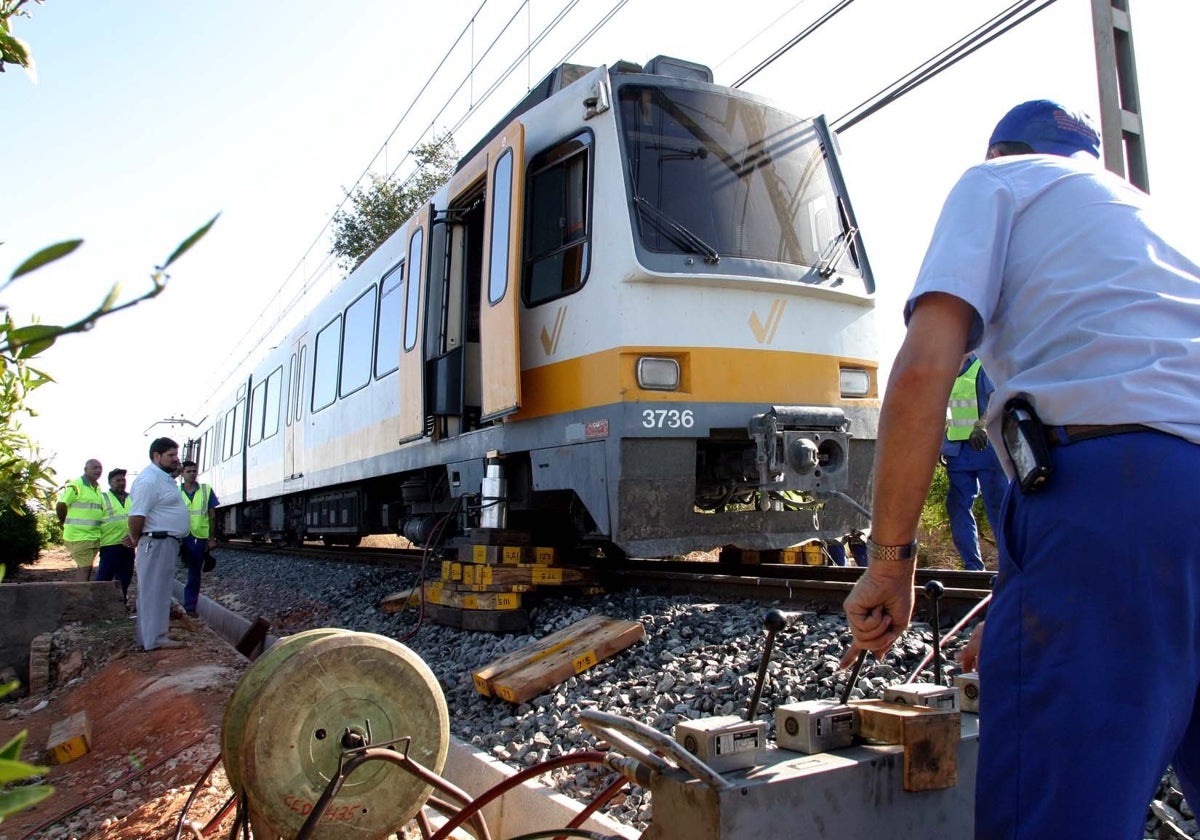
{"points": [[379, 209], [26, 477], [19, 536], [50, 531], [12, 49], [12, 769], [933, 514]]}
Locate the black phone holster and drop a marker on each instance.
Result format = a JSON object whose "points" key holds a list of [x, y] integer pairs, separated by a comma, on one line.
{"points": [[1025, 442]]}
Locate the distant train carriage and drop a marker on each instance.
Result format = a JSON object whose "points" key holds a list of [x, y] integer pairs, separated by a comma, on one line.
{"points": [[638, 315]]}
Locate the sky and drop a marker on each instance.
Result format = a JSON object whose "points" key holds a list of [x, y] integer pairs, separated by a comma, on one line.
{"points": [[146, 119]]}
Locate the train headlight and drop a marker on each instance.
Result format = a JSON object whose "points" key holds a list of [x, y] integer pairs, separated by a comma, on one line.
{"points": [[657, 374], [855, 382]]}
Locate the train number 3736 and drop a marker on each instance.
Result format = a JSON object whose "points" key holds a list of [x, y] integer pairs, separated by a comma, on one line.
{"points": [[668, 418]]}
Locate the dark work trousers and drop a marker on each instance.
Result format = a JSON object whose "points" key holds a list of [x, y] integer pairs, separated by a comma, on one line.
{"points": [[116, 563], [1091, 653], [193, 559], [969, 472]]}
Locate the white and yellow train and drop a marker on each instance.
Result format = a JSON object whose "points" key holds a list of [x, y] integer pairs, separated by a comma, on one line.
{"points": [[639, 315]]}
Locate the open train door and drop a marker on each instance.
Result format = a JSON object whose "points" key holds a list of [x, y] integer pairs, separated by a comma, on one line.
{"points": [[412, 363], [498, 325]]}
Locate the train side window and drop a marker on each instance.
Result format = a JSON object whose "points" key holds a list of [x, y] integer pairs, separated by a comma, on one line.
{"points": [[325, 364], [239, 420], [557, 230], [219, 440], [357, 340], [391, 312], [300, 381], [258, 398], [502, 196], [290, 398], [412, 296], [271, 404]]}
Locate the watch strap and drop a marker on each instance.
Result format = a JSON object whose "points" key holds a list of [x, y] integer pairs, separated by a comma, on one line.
{"points": [[875, 551]]}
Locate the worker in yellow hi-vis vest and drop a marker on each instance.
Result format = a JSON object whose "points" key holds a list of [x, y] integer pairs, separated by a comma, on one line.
{"points": [[202, 504], [116, 558], [971, 462], [80, 510]]}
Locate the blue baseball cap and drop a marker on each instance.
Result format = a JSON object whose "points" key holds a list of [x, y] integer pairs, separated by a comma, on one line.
{"points": [[1049, 129]]}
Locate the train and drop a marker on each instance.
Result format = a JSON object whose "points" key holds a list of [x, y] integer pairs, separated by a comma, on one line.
{"points": [[637, 320]]}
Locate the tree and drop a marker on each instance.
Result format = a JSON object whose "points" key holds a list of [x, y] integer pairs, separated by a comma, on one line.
{"points": [[380, 207], [12, 49]]}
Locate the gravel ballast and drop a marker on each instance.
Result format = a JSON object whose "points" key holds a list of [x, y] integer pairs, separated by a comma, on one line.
{"points": [[699, 658]]}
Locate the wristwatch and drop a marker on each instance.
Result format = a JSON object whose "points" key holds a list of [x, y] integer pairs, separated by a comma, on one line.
{"points": [[875, 551]]}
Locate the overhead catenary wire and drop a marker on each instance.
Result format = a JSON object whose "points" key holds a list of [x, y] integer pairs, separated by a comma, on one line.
{"points": [[947, 58], [326, 260], [804, 33]]}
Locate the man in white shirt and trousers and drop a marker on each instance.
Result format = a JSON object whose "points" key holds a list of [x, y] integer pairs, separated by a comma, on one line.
{"points": [[158, 521]]}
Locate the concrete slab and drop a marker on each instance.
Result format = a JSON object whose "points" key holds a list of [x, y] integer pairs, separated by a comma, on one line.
{"points": [[30, 609]]}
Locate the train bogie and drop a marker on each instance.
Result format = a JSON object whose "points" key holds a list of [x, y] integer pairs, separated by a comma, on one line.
{"points": [[640, 308]]}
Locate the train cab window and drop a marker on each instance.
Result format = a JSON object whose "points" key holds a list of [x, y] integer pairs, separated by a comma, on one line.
{"points": [[357, 339], [271, 403], [391, 312], [502, 196], [557, 232], [412, 296], [325, 364], [257, 402]]}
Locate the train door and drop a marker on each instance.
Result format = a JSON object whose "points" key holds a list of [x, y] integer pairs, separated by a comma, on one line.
{"points": [[411, 414], [452, 350], [500, 286], [294, 435]]}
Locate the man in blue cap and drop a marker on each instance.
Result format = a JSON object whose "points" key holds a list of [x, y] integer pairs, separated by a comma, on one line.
{"points": [[1088, 317]]}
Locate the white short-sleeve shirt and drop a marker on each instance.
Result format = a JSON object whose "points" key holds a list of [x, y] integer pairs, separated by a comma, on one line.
{"points": [[1080, 301], [156, 497]]}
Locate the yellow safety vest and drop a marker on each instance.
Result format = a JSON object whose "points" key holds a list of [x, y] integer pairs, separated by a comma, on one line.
{"points": [[197, 507], [964, 404], [85, 511], [116, 519]]}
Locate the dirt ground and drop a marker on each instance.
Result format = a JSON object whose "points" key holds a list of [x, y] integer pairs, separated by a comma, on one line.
{"points": [[156, 723]]}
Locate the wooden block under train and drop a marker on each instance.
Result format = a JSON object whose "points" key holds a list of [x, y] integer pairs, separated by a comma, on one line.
{"points": [[511, 555], [583, 652]]}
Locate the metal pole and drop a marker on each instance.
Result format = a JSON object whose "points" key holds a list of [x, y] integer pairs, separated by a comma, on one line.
{"points": [[1121, 130]]}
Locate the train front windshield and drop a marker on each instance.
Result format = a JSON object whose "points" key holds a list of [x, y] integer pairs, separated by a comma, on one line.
{"points": [[721, 179]]}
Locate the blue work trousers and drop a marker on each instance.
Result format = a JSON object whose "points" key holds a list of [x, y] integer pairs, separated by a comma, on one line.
{"points": [[193, 559], [1090, 670], [970, 471], [116, 563]]}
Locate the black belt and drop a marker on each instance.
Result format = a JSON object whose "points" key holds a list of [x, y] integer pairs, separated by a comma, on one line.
{"points": [[1066, 435], [161, 535]]}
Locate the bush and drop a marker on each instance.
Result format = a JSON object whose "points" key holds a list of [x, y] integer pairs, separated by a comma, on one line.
{"points": [[19, 536], [49, 530]]}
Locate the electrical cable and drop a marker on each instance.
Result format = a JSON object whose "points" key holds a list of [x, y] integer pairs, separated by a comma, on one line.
{"points": [[126, 780], [759, 34], [808, 30], [499, 789], [192, 796], [944, 60]]}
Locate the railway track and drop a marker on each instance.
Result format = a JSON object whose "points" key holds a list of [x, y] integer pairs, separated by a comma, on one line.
{"points": [[791, 585]]}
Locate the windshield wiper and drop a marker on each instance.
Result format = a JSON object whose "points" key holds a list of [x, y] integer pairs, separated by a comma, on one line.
{"points": [[836, 249], [676, 232]]}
